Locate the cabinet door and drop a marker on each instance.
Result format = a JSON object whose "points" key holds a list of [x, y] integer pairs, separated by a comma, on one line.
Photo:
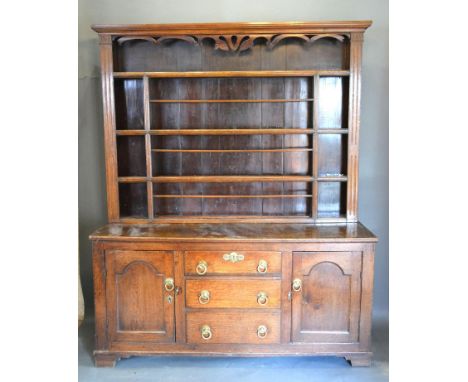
{"points": [[326, 308], [139, 306]]}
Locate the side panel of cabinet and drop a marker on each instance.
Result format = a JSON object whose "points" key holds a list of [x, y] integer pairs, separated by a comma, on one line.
{"points": [[327, 307], [138, 305]]}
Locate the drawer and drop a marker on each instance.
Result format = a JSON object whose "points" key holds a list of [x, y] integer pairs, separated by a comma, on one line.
{"points": [[232, 262], [233, 327], [247, 293]]}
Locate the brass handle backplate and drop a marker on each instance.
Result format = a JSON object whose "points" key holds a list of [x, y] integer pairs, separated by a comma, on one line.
{"points": [[206, 332], [262, 298], [297, 285], [202, 267], [262, 331], [262, 266], [204, 297], [233, 257], [169, 284]]}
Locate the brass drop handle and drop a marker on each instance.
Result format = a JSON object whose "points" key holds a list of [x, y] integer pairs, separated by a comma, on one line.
{"points": [[262, 331], [202, 267], [169, 284], [262, 298], [204, 297], [297, 285], [262, 266], [206, 332]]}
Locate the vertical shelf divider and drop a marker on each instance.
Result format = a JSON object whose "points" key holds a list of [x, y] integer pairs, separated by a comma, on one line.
{"points": [[315, 151], [110, 140], [149, 168], [355, 56]]}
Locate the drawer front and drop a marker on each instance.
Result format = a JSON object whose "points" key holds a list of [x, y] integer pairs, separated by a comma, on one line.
{"points": [[233, 327], [247, 293], [232, 262]]}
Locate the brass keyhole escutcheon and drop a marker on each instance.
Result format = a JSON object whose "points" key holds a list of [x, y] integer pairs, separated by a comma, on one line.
{"points": [[202, 267], [206, 332], [204, 297], [262, 298], [262, 266], [233, 257], [297, 285], [169, 284]]}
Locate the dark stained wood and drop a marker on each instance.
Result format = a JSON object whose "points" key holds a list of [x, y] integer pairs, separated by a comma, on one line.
{"points": [[232, 196], [105, 42], [216, 264], [232, 293], [360, 359], [105, 360], [231, 100], [228, 327], [327, 308], [218, 179], [354, 232], [286, 266], [275, 131], [226, 144], [100, 311], [353, 124], [138, 305], [133, 199], [179, 293], [149, 162], [233, 28], [231, 151], [235, 73]]}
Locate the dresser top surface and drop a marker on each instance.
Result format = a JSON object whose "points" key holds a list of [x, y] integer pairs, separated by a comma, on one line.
{"points": [[235, 232]]}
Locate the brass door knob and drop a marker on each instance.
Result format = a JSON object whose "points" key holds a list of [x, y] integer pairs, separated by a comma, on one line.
{"points": [[262, 331], [262, 266], [202, 267], [169, 284], [206, 332], [262, 298], [297, 285], [204, 297]]}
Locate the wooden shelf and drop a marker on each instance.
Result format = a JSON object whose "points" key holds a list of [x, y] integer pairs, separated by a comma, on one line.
{"points": [[274, 131], [230, 178], [231, 100], [216, 132], [233, 151], [233, 196], [223, 74], [216, 179], [341, 178]]}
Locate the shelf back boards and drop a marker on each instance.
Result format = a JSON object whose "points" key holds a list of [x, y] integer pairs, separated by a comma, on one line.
{"points": [[252, 122]]}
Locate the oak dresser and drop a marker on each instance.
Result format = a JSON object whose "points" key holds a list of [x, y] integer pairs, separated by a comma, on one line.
{"points": [[232, 184]]}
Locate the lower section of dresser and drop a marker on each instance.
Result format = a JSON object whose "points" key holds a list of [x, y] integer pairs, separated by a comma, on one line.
{"points": [[230, 298]]}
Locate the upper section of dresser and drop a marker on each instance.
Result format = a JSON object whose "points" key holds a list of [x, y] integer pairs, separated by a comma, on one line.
{"points": [[234, 122]]}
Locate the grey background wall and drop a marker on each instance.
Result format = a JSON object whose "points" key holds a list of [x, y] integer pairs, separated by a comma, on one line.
{"points": [[373, 197]]}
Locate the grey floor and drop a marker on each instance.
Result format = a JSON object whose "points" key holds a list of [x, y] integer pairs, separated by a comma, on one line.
{"points": [[187, 369]]}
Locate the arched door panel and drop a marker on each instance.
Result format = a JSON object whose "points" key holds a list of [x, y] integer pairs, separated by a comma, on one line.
{"points": [[139, 307], [326, 309]]}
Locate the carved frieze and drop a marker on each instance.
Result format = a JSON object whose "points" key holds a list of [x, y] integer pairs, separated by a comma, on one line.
{"points": [[236, 43]]}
